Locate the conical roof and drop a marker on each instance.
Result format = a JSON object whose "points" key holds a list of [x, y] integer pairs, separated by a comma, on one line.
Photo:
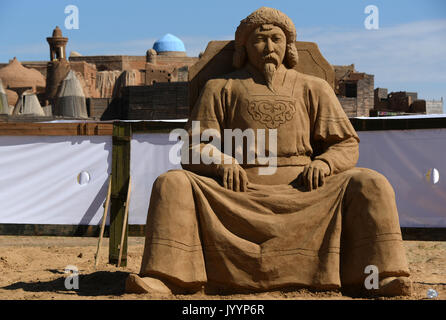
{"points": [[169, 43], [71, 99], [57, 33], [71, 86], [28, 104], [15, 75]]}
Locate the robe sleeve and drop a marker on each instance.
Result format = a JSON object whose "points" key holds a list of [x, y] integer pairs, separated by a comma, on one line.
{"points": [[333, 137], [208, 114]]}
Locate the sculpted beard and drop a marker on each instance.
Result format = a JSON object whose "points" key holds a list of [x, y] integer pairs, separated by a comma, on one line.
{"points": [[269, 68]]}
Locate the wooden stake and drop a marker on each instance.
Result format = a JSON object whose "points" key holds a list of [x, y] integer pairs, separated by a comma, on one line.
{"points": [[104, 218], [124, 224], [122, 133]]}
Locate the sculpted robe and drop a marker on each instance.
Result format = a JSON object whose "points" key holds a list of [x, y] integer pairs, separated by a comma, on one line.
{"points": [[277, 233]]}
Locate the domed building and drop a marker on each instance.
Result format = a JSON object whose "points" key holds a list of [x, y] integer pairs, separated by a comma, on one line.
{"points": [[167, 61], [107, 81], [16, 76], [16, 79], [170, 45]]}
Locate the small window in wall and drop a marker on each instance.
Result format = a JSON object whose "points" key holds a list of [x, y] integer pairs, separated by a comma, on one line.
{"points": [[351, 90]]}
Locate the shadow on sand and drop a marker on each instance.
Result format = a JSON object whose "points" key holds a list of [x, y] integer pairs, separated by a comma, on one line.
{"points": [[100, 283]]}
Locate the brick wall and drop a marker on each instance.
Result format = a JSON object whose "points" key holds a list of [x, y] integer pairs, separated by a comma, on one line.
{"points": [[173, 60], [167, 100], [380, 100], [399, 101], [88, 73], [365, 95], [349, 105], [106, 63], [360, 105], [133, 62], [103, 109], [155, 73], [418, 106]]}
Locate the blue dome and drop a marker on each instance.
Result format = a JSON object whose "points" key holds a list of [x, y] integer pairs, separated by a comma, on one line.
{"points": [[169, 43]]}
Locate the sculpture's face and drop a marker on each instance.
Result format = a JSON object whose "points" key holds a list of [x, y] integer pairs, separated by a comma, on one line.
{"points": [[266, 44]]}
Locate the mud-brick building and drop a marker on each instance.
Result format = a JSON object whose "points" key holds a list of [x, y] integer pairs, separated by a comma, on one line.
{"points": [[153, 86], [148, 86], [158, 87], [354, 90], [403, 102]]}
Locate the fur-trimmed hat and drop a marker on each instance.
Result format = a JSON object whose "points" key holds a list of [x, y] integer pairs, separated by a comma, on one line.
{"points": [[261, 16]]}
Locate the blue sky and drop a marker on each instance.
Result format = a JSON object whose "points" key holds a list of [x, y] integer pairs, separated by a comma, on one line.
{"points": [[406, 53]]}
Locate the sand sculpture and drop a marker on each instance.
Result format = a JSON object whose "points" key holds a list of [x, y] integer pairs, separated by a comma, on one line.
{"points": [[317, 221]]}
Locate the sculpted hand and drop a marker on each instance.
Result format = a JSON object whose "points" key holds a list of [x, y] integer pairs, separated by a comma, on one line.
{"points": [[314, 174], [233, 177]]}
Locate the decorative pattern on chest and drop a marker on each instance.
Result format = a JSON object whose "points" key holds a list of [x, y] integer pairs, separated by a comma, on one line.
{"points": [[272, 111]]}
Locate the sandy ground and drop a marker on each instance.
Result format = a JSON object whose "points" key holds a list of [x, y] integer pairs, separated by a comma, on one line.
{"points": [[33, 268]]}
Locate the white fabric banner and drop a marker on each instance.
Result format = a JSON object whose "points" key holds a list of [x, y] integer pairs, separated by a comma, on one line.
{"points": [[414, 162], [53, 179], [149, 158], [43, 178], [411, 160]]}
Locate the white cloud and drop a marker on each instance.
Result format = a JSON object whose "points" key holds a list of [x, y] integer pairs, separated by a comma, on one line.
{"points": [[413, 52]]}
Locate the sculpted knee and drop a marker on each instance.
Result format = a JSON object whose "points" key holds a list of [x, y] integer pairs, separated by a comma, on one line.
{"points": [[173, 182], [368, 181]]}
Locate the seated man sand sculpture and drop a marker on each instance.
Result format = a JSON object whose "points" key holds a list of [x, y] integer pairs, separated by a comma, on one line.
{"points": [[316, 222]]}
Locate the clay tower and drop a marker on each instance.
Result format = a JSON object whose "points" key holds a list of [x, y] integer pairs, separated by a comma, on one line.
{"points": [[58, 67], [57, 45]]}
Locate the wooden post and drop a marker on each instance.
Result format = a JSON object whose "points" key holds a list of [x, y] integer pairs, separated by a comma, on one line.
{"points": [[126, 215], [104, 219], [122, 134]]}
